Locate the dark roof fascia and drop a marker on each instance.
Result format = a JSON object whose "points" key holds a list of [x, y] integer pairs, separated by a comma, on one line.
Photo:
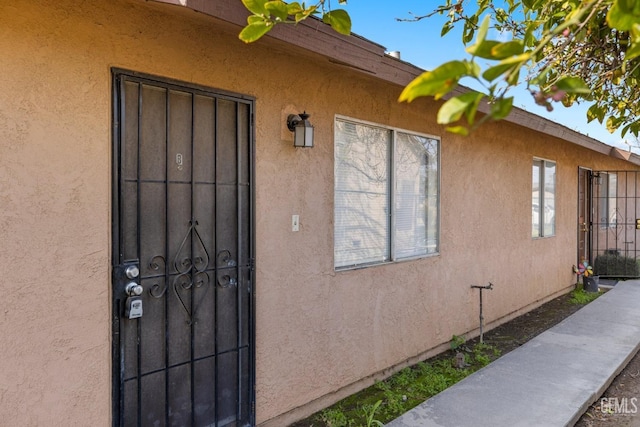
{"points": [[549, 127], [313, 35], [370, 58]]}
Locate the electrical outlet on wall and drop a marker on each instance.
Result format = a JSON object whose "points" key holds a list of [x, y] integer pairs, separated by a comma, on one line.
{"points": [[295, 222]]}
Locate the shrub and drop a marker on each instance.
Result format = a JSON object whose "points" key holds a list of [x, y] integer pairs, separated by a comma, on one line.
{"points": [[612, 264]]}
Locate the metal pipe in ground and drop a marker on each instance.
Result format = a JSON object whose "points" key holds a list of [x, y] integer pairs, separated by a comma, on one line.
{"points": [[482, 288]]}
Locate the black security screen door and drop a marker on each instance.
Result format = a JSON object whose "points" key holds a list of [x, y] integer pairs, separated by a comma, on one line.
{"points": [[183, 255], [615, 233]]}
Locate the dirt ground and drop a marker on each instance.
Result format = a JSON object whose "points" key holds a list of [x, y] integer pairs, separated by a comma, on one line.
{"points": [[518, 331]]}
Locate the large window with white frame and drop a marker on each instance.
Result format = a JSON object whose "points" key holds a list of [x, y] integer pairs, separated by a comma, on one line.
{"points": [[386, 199], [543, 198]]}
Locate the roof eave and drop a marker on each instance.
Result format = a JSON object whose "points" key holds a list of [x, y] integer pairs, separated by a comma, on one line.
{"points": [[370, 58]]}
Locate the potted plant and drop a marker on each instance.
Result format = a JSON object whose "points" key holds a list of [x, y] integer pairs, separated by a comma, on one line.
{"points": [[590, 281]]}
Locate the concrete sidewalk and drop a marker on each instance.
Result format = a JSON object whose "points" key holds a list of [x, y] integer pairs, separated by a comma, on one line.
{"points": [[549, 381]]}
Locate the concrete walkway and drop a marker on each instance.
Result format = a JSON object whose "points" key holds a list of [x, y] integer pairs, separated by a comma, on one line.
{"points": [[549, 381]]}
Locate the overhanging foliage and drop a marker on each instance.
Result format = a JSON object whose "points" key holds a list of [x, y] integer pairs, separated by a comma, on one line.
{"points": [[564, 51]]}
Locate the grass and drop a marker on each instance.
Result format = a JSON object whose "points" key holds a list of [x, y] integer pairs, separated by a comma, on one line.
{"points": [[394, 396], [579, 296]]}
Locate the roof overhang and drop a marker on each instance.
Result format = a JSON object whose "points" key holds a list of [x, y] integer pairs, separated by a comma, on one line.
{"points": [[370, 58]]}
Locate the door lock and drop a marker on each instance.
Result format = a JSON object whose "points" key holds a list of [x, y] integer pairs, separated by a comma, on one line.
{"points": [[133, 304], [132, 271], [133, 308], [133, 289], [583, 227], [127, 277]]}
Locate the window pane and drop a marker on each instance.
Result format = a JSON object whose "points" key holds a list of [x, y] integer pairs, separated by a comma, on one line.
{"points": [[613, 194], [416, 204], [602, 195], [535, 200], [549, 213], [361, 229]]}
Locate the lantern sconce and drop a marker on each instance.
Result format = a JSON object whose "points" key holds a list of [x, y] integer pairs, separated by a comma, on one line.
{"points": [[302, 129], [597, 178]]}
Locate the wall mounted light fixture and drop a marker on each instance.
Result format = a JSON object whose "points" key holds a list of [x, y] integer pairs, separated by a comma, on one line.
{"points": [[597, 178], [302, 129]]}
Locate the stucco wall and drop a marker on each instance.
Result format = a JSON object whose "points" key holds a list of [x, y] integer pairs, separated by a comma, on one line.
{"points": [[318, 330]]}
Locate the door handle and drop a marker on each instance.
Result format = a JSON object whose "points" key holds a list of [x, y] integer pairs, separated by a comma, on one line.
{"points": [[583, 227], [133, 303], [133, 289]]}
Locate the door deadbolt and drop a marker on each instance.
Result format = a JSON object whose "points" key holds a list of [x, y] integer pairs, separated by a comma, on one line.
{"points": [[133, 289], [132, 271]]}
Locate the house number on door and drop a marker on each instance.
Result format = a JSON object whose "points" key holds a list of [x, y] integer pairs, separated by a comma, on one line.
{"points": [[179, 161]]}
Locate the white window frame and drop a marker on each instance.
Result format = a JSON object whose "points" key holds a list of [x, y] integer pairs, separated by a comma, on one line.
{"points": [[542, 214], [392, 194]]}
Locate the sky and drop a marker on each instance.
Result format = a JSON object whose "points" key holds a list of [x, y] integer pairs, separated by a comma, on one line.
{"points": [[420, 44]]}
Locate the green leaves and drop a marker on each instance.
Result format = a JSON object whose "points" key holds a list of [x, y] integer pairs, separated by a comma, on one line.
{"points": [[490, 49], [532, 4], [443, 79], [266, 14], [571, 84], [255, 30], [509, 64], [613, 123], [454, 108], [436, 83], [459, 130], [634, 49], [484, 28], [260, 22], [634, 128], [257, 7], [507, 49], [339, 20], [595, 112], [277, 9], [623, 14], [501, 108]]}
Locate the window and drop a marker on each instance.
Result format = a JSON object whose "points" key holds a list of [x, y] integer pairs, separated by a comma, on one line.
{"points": [[543, 199], [386, 194], [607, 197]]}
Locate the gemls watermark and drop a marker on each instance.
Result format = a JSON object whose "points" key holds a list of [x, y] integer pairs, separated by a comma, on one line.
{"points": [[619, 406]]}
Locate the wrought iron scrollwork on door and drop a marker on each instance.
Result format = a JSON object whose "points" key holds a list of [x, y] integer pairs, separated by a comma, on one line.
{"points": [[224, 260], [191, 271], [226, 281], [155, 264]]}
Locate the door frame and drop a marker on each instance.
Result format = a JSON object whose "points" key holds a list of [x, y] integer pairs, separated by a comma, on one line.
{"points": [[587, 183], [116, 214]]}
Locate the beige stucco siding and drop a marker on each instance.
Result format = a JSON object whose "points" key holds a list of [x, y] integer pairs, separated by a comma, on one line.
{"points": [[318, 330]]}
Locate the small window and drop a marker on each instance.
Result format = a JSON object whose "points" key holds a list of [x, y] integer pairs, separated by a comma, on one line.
{"points": [[386, 194], [543, 199], [607, 198]]}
